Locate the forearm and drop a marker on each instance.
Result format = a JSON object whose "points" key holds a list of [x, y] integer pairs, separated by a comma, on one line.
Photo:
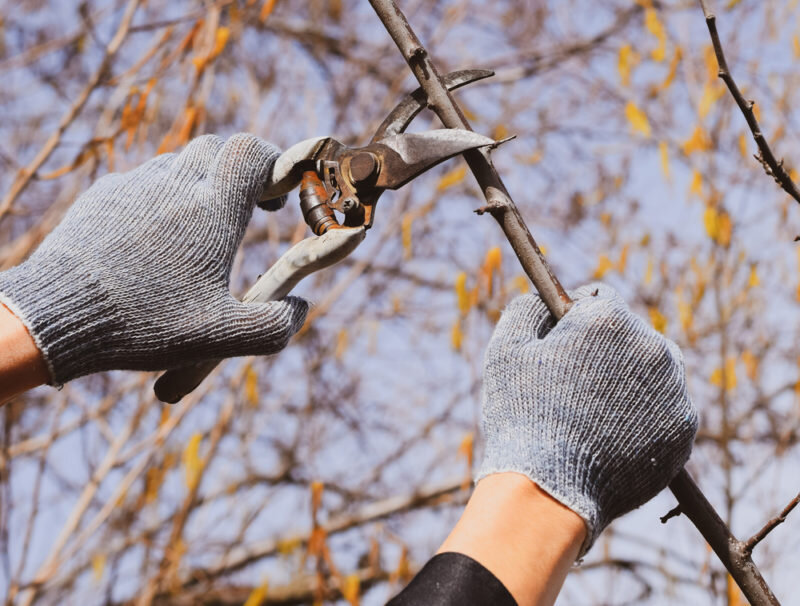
{"points": [[21, 364], [527, 539]]}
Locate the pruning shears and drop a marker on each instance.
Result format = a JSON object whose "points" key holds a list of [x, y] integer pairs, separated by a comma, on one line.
{"points": [[335, 178]]}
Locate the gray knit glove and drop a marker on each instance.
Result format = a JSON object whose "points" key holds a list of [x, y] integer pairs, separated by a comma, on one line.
{"points": [[594, 409], [136, 275]]}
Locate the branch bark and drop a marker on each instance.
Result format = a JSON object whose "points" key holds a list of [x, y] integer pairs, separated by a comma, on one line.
{"points": [[766, 158], [771, 525], [500, 205]]}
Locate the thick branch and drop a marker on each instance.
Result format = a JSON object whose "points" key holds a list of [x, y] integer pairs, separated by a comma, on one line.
{"points": [[772, 166], [693, 503], [500, 204]]}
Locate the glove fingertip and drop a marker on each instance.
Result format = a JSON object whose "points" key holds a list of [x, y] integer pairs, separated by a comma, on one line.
{"points": [[526, 318], [243, 163], [280, 320]]}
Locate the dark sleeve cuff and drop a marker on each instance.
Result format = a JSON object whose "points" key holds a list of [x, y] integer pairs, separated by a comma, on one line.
{"points": [[454, 579]]}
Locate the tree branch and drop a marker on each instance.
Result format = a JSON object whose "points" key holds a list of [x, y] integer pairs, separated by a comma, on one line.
{"points": [[766, 158], [25, 175], [771, 525], [499, 203]]}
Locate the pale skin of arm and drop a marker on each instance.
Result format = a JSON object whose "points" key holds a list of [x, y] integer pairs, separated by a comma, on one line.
{"points": [[21, 364], [523, 536]]}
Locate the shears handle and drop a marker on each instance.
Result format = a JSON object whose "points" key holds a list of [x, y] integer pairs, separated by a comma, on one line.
{"points": [[302, 259]]}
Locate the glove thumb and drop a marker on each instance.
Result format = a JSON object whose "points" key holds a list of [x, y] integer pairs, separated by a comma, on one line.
{"points": [[248, 329]]}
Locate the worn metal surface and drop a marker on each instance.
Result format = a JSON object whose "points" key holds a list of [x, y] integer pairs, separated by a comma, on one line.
{"points": [[404, 157], [501, 206], [404, 112], [334, 177]]}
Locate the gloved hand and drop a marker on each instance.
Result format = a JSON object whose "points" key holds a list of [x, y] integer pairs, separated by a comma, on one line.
{"points": [[593, 409], [136, 275]]}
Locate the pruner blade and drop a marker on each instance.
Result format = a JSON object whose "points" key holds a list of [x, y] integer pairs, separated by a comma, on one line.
{"points": [[406, 156]]}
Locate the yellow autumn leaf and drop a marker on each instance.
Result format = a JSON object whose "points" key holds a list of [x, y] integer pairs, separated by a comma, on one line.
{"points": [[637, 119], [191, 461], [663, 152], [317, 488], [734, 593], [153, 479], [494, 258], [711, 221], [454, 177], [335, 9], [750, 364], [405, 234], [757, 111], [456, 336], [604, 265], [491, 266], [732, 3], [165, 415], [726, 375], [251, 386], [698, 141], [468, 113], [220, 40], [351, 589], [258, 595], [341, 344], [98, 566], [185, 132], [521, 284], [793, 175], [685, 316], [657, 319], [462, 296], [724, 229], [711, 94], [656, 28], [696, 186], [743, 145], [266, 10], [623, 259], [467, 448], [500, 132], [673, 69], [648, 272], [710, 59], [626, 61], [533, 158], [752, 279], [287, 546], [796, 46]]}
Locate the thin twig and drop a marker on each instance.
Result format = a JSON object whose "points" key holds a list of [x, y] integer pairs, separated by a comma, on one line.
{"points": [[766, 158], [26, 174], [672, 513], [771, 525]]}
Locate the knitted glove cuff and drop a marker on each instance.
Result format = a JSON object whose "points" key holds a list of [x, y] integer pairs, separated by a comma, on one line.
{"points": [[64, 308], [520, 452]]}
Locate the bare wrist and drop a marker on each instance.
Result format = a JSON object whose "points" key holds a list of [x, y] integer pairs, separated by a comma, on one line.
{"points": [[521, 534]]}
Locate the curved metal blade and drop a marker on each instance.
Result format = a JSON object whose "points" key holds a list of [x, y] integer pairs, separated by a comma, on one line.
{"points": [[405, 111], [408, 155]]}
